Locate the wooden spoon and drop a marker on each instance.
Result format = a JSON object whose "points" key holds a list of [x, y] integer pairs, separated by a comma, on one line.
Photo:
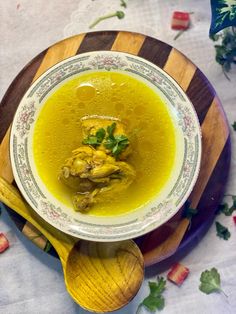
{"points": [[101, 277]]}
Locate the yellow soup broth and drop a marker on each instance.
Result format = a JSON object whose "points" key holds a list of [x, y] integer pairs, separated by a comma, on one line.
{"points": [[149, 126]]}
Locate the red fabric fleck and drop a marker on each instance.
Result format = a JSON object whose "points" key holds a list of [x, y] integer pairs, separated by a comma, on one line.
{"points": [[180, 20], [4, 244], [178, 274]]}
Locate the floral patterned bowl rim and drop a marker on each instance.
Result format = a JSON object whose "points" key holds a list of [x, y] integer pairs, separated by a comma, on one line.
{"points": [[137, 222]]}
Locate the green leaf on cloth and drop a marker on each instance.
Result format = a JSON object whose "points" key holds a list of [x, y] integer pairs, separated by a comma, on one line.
{"points": [[210, 281], [222, 231], [154, 301]]}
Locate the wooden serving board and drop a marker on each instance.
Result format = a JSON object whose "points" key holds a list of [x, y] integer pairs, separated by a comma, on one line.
{"points": [[216, 155]]}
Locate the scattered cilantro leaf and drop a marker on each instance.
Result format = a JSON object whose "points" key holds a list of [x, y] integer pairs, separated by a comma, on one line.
{"points": [[123, 4], [210, 281], [222, 231], [234, 201], [226, 49], [225, 209], [157, 288], [154, 301], [118, 14], [234, 125]]}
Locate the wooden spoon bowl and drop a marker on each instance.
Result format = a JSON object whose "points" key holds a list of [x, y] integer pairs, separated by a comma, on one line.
{"points": [[101, 277], [104, 276]]}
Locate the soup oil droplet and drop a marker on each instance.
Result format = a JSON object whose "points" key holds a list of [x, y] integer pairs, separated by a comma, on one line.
{"points": [[85, 92], [119, 106], [65, 121], [81, 106], [140, 110], [114, 85]]}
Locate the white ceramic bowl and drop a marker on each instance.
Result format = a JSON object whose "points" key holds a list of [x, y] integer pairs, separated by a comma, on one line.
{"points": [[133, 224]]}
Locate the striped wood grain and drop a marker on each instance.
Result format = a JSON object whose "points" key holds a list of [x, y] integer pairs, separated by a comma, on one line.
{"points": [[189, 78]]}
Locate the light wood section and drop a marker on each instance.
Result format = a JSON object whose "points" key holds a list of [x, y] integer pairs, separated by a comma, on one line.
{"points": [[5, 163], [180, 68], [105, 276], [34, 235], [128, 42], [214, 130], [58, 52]]}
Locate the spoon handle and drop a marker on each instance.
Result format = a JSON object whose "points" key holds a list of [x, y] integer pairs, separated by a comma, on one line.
{"points": [[10, 196]]}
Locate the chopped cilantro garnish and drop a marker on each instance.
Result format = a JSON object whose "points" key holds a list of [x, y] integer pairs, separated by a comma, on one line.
{"points": [[115, 143]]}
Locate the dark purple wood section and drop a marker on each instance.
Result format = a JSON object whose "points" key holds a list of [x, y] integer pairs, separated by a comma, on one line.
{"points": [[155, 51], [97, 41], [201, 93]]}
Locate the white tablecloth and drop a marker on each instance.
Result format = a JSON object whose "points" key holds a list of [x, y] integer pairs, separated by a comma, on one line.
{"points": [[31, 282]]}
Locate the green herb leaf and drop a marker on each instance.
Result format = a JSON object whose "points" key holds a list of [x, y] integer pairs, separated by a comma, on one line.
{"points": [[234, 125], [100, 134], [91, 140], [123, 4], [95, 140], [210, 281], [118, 14], [111, 129], [226, 49], [121, 145], [179, 34], [118, 143], [157, 288], [222, 231], [234, 201], [225, 209], [155, 301]]}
